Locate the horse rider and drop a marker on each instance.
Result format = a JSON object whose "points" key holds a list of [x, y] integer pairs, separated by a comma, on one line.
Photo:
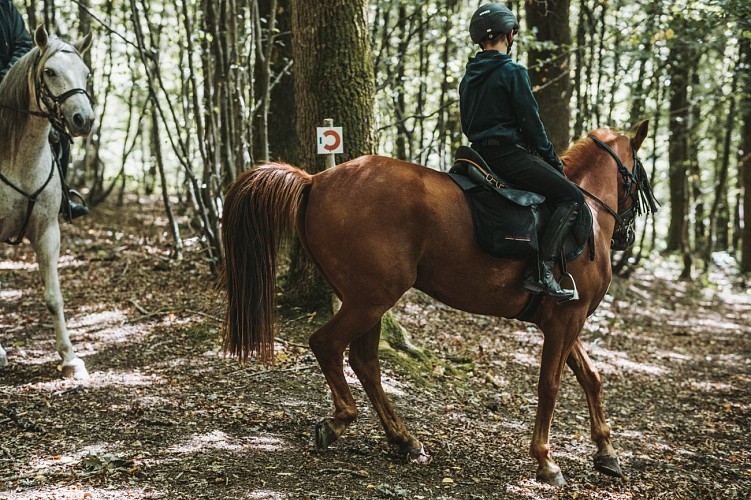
{"points": [[500, 117], [15, 41]]}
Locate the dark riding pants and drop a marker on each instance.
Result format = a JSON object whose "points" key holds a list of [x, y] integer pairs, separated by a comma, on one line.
{"points": [[531, 173]]}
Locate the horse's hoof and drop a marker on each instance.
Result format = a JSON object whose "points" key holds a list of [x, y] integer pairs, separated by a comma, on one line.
{"points": [[418, 456], [325, 434], [553, 479], [3, 362], [608, 466], [75, 369]]}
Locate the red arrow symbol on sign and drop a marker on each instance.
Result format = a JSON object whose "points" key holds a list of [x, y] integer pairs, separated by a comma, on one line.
{"points": [[337, 140]]}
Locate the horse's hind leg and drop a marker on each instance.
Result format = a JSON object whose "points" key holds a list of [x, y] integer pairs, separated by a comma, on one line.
{"points": [[328, 344], [605, 459], [363, 358], [47, 249]]}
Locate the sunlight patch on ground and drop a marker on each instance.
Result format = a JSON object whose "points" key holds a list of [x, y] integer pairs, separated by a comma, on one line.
{"points": [[525, 359], [17, 265], [10, 295], [219, 440], [264, 495], [70, 261], [78, 492], [130, 378], [97, 380], [672, 355], [614, 361], [97, 319], [529, 488], [710, 386]]}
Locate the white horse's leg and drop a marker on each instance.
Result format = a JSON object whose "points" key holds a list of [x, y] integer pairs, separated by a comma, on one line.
{"points": [[3, 358], [47, 248]]}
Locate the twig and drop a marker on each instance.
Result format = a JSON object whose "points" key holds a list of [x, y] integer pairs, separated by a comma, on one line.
{"points": [[24, 426], [168, 310], [138, 306], [288, 343], [340, 470]]}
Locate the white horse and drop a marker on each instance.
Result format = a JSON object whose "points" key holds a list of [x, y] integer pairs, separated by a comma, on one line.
{"points": [[43, 88]]}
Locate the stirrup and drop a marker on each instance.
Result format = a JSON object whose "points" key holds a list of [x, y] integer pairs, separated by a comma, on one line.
{"points": [[73, 192], [575, 296]]}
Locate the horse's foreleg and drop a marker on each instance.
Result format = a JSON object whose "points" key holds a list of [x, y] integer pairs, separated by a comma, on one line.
{"points": [[328, 344], [554, 353], [3, 358], [363, 358], [47, 249], [605, 459]]}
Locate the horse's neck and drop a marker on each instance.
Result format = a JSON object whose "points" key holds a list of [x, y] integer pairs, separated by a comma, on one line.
{"points": [[591, 179], [32, 156]]}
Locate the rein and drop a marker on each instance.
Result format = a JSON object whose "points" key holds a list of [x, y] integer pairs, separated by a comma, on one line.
{"points": [[32, 200]]}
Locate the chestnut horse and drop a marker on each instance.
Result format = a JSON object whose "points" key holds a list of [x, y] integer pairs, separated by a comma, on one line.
{"points": [[375, 227]]}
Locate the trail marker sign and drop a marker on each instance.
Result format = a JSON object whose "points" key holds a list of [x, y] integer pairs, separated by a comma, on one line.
{"points": [[330, 140]]}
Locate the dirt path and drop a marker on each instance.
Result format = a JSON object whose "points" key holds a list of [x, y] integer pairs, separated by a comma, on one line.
{"points": [[165, 415]]}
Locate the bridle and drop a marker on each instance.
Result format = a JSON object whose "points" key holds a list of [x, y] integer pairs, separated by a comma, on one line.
{"points": [[55, 115], [637, 189], [53, 103]]}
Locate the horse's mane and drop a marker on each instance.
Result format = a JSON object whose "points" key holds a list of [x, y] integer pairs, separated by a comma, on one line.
{"points": [[581, 150], [15, 93]]}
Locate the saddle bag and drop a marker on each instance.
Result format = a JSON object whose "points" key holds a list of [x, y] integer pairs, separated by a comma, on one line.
{"points": [[505, 220]]}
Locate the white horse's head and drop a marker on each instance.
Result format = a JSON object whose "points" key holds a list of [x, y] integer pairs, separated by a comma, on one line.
{"points": [[60, 83]]}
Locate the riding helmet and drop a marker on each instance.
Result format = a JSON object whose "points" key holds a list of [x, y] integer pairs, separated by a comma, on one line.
{"points": [[491, 20]]}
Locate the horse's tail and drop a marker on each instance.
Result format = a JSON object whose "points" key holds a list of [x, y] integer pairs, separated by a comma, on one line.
{"points": [[260, 210]]}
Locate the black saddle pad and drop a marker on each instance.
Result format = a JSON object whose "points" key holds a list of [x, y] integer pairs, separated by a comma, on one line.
{"points": [[505, 224], [508, 223]]}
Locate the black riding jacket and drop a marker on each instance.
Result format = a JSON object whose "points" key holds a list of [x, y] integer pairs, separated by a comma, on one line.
{"points": [[15, 40], [496, 102]]}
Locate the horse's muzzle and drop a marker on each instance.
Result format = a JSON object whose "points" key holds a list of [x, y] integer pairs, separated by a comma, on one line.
{"points": [[80, 125]]}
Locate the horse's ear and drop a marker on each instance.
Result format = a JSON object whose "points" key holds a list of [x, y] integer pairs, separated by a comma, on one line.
{"points": [[640, 134], [41, 38], [84, 44]]}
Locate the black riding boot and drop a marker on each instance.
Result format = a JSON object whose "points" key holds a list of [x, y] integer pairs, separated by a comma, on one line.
{"points": [[69, 209], [540, 278]]}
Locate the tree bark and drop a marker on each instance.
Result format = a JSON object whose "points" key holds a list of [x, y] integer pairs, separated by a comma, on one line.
{"points": [[678, 148], [744, 163], [549, 69], [334, 78]]}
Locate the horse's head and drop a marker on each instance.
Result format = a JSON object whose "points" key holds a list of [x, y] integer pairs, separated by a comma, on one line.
{"points": [[635, 195], [59, 81]]}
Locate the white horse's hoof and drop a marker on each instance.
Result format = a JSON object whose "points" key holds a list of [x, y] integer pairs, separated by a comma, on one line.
{"points": [[419, 457], [3, 361], [75, 369]]}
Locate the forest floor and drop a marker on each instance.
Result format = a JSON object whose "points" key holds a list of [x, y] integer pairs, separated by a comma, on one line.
{"points": [[166, 415]]}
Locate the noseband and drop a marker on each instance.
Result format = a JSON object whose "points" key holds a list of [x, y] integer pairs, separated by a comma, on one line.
{"points": [[637, 189]]}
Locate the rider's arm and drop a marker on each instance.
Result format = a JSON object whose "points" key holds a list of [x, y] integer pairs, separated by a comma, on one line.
{"points": [[528, 116]]}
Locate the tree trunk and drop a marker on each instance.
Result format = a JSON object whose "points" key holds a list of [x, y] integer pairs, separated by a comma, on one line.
{"points": [[678, 149], [549, 69], [333, 79], [744, 163]]}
